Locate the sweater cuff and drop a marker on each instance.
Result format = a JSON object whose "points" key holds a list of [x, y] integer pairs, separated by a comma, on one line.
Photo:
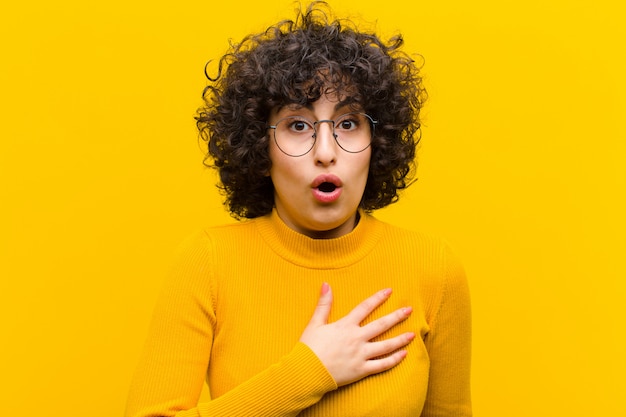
{"points": [[301, 377], [296, 382], [309, 370]]}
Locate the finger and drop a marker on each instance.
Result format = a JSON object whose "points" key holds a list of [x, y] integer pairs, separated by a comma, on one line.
{"points": [[364, 309], [375, 366], [385, 347], [322, 310], [381, 325]]}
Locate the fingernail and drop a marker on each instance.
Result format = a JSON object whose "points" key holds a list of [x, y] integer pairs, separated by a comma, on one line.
{"points": [[407, 310], [386, 292], [325, 288], [410, 336]]}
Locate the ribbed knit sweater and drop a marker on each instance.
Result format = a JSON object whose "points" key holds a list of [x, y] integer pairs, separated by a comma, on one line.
{"points": [[240, 296]]}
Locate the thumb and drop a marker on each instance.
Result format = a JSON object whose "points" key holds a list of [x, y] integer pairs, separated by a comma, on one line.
{"points": [[322, 310]]}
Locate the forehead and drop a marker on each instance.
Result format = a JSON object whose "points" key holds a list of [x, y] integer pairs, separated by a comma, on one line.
{"points": [[326, 101]]}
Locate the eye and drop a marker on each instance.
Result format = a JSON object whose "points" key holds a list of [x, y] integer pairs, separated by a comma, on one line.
{"points": [[299, 126], [348, 123]]}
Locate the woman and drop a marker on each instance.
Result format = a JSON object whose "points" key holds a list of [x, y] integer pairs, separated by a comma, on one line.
{"points": [[312, 125]]}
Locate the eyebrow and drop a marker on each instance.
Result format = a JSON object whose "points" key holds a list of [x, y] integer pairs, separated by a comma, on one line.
{"points": [[347, 102]]}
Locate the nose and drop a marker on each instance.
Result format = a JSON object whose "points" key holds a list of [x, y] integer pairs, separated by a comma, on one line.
{"points": [[325, 148]]}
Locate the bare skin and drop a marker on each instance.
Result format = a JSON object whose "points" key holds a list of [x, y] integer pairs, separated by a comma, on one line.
{"points": [[345, 347]]}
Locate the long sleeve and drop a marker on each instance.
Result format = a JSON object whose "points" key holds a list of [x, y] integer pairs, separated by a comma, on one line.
{"points": [[449, 346], [173, 367], [239, 296]]}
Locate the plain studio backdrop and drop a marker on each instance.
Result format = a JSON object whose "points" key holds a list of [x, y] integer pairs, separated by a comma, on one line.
{"points": [[522, 170]]}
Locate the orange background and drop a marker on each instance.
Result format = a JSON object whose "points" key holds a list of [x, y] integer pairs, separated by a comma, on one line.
{"points": [[521, 169]]}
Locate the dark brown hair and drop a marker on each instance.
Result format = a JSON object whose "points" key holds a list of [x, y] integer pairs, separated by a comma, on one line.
{"points": [[297, 61]]}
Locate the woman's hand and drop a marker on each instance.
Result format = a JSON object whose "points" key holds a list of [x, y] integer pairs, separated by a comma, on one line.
{"points": [[344, 346]]}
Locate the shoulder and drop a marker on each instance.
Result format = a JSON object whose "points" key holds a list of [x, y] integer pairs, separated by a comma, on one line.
{"points": [[218, 236], [435, 267], [417, 243], [239, 228], [428, 253], [201, 250]]}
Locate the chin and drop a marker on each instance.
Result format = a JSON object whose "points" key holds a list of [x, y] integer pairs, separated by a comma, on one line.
{"points": [[331, 224]]}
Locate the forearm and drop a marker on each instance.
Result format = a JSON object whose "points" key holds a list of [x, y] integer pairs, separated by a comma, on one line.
{"points": [[294, 383]]}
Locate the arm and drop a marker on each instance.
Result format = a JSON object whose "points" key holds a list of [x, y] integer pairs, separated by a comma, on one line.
{"points": [[449, 347], [173, 367]]}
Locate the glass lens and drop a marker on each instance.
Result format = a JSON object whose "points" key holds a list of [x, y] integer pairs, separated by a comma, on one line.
{"points": [[353, 131], [295, 135]]}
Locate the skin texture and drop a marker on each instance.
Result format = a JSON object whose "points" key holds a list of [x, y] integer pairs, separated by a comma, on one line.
{"points": [[292, 176], [297, 61], [344, 346]]}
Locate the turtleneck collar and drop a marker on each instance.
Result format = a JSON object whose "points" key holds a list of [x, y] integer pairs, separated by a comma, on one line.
{"points": [[320, 253]]}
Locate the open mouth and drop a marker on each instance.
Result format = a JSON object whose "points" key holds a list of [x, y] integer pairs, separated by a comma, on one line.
{"points": [[327, 187]]}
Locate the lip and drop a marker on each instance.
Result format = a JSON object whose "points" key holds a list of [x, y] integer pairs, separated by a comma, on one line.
{"points": [[326, 197], [331, 178]]}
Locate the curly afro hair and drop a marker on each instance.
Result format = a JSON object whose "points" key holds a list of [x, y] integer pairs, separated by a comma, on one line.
{"points": [[297, 61]]}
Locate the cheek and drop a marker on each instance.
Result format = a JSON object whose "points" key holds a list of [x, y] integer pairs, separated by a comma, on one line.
{"points": [[367, 157], [276, 160], [284, 169]]}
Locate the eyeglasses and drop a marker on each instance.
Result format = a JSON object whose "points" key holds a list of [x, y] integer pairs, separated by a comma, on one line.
{"points": [[295, 135]]}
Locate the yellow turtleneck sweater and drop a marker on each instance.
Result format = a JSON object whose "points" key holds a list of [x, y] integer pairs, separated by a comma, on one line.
{"points": [[240, 296]]}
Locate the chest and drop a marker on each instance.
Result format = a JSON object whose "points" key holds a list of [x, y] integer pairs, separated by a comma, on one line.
{"points": [[260, 318]]}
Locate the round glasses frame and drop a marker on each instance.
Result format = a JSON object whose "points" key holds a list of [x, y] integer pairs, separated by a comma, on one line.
{"points": [[333, 123]]}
